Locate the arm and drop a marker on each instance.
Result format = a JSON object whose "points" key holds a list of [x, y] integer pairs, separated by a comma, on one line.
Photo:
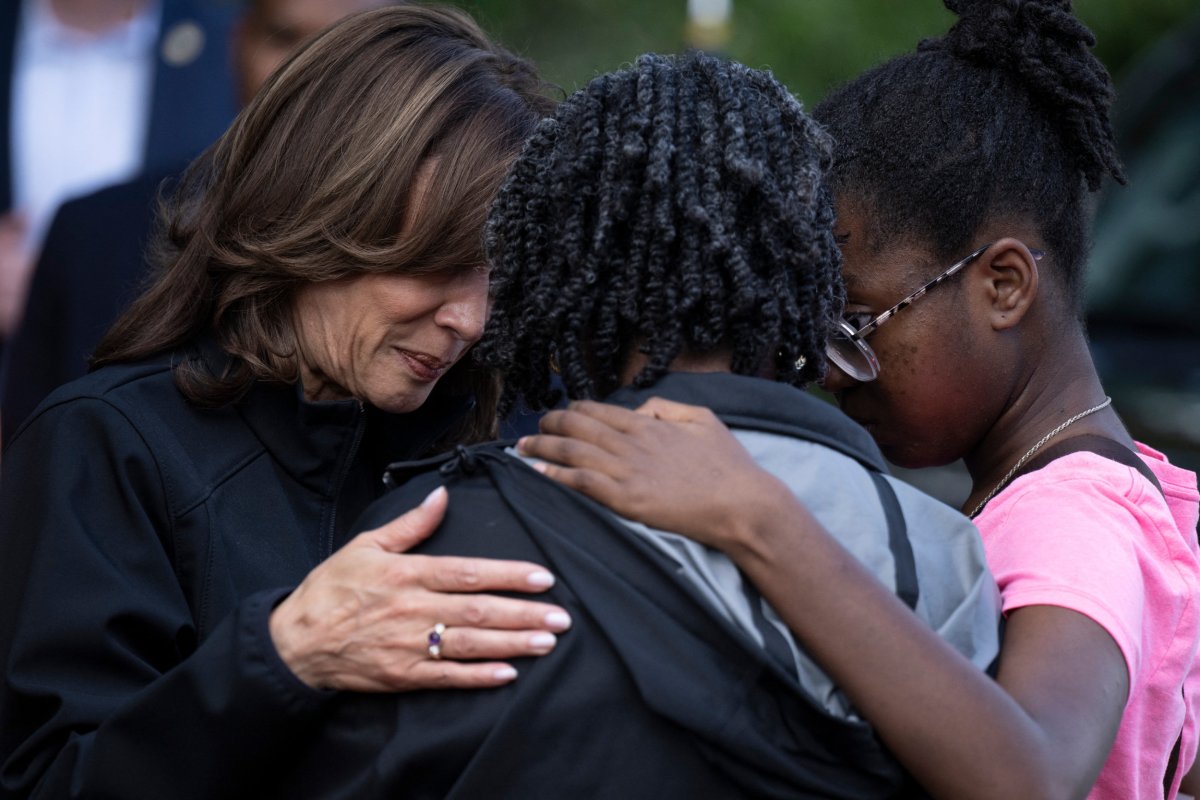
{"points": [[107, 691], [1189, 787], [1042, 730]]}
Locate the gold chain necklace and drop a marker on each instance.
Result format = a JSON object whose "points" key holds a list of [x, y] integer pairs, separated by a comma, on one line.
{"points": [[1021, 462]]}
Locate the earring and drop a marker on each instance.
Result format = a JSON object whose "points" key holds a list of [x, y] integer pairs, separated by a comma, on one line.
{"points": [[800, 362]]}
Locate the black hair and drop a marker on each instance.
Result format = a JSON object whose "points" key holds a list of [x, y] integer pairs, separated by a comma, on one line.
{"points": [[676, 205], [1004, 116]]}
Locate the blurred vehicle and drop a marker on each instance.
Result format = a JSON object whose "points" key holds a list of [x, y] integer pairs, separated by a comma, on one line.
{"points": [[1144, 275]]}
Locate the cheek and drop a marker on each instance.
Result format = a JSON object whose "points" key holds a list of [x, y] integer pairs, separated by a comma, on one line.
{"points": [[913, 400], [929, 415], [907, 362]]}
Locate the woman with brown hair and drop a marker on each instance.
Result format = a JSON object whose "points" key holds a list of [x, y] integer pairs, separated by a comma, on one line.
{"points": [[164, 626]]}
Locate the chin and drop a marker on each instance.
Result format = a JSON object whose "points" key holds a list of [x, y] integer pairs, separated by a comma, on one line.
{"points": [[908, 458], [399, 403], [901, 458]]}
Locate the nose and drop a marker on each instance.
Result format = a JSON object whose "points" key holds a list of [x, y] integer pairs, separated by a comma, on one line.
{"points": [[465, 308]]}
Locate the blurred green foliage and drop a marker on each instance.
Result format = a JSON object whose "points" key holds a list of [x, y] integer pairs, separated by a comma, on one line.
{"points": [[811, 45]]}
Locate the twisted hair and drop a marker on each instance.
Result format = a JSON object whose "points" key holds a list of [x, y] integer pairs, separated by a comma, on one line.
{"points": [[313, 182], [673, 206], [1006, 116]]}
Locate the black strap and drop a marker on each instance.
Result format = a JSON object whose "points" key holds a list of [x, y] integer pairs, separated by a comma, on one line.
{"points": [[907, 587], [1091, 443], [773, 641], [1172, 766]]}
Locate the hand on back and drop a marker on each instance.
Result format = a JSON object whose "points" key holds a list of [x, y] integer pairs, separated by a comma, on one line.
{"points": [[361, 620], [672, 466]]}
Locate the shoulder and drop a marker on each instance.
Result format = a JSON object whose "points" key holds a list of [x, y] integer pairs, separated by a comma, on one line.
{"points": [[1094, 536], [493, 494], [121, 388], [887, 524], [1080, 494], [1078, 509], [113, 391], [137, 409], [83, 448]]}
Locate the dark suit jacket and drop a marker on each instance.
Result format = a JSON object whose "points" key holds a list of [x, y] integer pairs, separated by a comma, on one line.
{"points": [[192, 102], [89, 271], [93, 254]]}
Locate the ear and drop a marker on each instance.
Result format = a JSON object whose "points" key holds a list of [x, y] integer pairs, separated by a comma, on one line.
{"points": [[1009, 271]]}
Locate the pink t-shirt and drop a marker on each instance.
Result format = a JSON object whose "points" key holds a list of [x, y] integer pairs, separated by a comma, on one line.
{"points": [[1094, 536]]}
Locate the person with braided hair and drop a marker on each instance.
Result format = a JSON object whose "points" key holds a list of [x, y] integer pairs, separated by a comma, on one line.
{"points": [[962, 171], [666, 231]]}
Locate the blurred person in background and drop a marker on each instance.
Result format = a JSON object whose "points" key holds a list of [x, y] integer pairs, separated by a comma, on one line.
{"points": [[93, 92], [165, 629], [93, 260]]}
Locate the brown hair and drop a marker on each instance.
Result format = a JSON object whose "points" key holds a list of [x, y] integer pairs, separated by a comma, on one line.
{"points": [[313, 183]]}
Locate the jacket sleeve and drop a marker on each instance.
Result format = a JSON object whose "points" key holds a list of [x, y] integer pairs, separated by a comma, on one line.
{"points": [[107, 692]]}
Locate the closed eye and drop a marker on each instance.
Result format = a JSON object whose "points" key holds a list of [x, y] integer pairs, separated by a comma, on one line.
{"points": [[858, 319]]}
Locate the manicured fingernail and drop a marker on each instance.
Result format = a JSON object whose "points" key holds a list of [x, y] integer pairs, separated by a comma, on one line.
{"points": [[429, 498], [521, 444], [504, 674], [540, 579], [543, 641], [558, 620], [539, 466]]}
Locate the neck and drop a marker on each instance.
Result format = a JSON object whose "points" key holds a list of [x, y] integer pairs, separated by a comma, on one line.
{"points": [[1059, 386], [720, 360]]}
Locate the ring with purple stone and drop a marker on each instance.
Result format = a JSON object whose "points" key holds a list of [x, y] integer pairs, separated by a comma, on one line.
{"points": [[435, 641]]}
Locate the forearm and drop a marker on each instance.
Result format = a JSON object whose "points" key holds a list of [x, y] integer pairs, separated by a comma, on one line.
{"points": [[1190, 785], [958, 732]]}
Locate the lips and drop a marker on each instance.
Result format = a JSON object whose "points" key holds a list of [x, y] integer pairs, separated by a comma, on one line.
{"points": [[423, 366]]}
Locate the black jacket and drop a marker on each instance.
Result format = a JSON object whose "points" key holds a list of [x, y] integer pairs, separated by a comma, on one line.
{"points": [[651, 694], [143, 544]]}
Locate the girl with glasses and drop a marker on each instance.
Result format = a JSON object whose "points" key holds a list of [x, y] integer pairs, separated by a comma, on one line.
{"points": [[962, 172]]}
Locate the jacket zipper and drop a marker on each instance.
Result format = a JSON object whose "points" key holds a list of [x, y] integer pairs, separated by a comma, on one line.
{"points": [[360, 425]]}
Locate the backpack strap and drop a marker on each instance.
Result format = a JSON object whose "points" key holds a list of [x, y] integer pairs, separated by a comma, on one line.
{"points": [[907, 586], [1090, 443]]}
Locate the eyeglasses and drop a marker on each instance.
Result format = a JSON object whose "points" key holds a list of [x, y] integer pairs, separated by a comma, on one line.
{"points": [[847, 347]]}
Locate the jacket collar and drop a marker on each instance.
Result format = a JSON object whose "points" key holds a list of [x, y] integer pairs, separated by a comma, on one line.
{"points": [[762, 405], [311, 440]]}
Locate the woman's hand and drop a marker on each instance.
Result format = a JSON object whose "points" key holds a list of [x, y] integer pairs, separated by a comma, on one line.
{"points": [[668, 465], [361, 620]]}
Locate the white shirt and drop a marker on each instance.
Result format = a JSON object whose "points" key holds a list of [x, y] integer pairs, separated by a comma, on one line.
{"points": [[81, 104]]}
